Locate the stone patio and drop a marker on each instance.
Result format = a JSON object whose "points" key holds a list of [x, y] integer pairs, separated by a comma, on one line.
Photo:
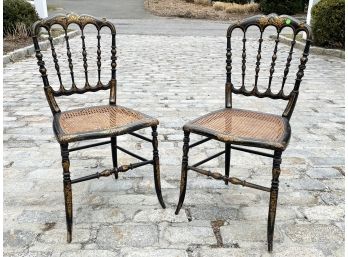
{"points": [[175, 79]]}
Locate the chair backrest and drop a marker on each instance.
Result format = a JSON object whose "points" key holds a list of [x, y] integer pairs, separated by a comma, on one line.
{"points": [[81, 21], [262, 22]]}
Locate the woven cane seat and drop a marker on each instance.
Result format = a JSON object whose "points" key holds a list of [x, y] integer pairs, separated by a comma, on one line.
{"points": [[98, 122], [243, 127]]}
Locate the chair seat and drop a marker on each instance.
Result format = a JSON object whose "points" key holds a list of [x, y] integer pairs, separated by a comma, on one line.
{"points": [[98, 122], [243, 127]]}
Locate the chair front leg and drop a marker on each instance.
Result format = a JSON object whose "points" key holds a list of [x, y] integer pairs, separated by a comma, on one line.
{"points": [[227, 160], [156, 167], [183, 181], [273, 198], [67, 190], [114, 154]]}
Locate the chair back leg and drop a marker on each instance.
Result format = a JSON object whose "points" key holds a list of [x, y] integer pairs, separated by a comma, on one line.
{"points": [[227, 160], [156, 166], [114, 154], [183, 180], [67, 190], [273, 198]]}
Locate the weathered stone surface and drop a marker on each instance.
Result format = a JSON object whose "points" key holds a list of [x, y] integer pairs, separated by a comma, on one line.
{"points": [[261, 213], [41, 217], [18, 238], [324, 173], [113, 237], [323, 212], [318, 233], [247, 231], [159, 215], [28, 254], [299, 250], [152, 252], [85, 214], [228, 252], [55, 236], [211, 213], [189, 235], [91, 253]]}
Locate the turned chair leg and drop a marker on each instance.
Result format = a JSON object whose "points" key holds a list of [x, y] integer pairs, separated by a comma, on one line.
{"points": [[273, 198], [183, 181], [156, 166], [227, 160], [114, 154], [67, 190]]}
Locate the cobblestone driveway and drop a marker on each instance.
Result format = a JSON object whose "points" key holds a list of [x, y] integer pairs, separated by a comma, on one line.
{"points": [[173, 78]]}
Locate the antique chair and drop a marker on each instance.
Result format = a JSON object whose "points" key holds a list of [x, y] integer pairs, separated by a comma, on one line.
{"points": [[249, 128], [107, 121]]}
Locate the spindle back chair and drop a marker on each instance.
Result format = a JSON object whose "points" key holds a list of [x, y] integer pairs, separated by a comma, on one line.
{"points": [[249, 128], [106, 121]]}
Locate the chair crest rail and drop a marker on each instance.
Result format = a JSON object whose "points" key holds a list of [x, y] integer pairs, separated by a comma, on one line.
{"points": [[81, 21], [262, 22]]}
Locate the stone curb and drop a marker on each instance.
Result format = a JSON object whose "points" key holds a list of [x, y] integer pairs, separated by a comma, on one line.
{"points": [[28, 51], [313, 49]]}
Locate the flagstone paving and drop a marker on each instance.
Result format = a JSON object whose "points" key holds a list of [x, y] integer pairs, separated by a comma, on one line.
{"points": [[175, 79]]}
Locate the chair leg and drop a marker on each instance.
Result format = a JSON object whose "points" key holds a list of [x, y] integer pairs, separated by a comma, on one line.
{"points": [[183, 181], [67, 190], [114, 153], [273, 198], [227, 160], [156, 166]]}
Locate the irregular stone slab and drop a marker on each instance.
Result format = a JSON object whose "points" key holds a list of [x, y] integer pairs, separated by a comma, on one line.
{"points": [[324, 173], [333, 198], [132, 199], [110, 185], [86, 214], [238, 198], [247, 231], [41, 216], [28, 254], [90, 253], [18, 238], [324, 212], [213, 213], [192, 198], [318, 233], [304, 184], [56, 236], [228, 252], [189, 235], [298, 250], [127, 235], [152, 252], [160, 215], [261, 213]]}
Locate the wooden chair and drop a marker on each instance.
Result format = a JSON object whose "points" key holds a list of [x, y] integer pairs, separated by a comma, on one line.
{"points": [[107, 121], [248, 128]]}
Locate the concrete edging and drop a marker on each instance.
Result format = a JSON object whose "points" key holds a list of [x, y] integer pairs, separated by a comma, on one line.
{"points": [[28, 51], [314, 49]]}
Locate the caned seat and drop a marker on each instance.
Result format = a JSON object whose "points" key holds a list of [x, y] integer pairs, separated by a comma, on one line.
{"points": [[98, 122], [243, 127]]}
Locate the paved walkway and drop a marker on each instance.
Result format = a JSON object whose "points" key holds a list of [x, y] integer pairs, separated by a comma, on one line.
{"points": [[117, 9], [174, 78]]}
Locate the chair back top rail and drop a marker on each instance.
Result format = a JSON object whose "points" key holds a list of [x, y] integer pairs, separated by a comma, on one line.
{"points": [[81, 21], [262, 22]]}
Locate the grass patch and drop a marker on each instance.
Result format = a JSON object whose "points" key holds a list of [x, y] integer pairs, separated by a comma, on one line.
{"points": [[202, 2], [52, 7], [236, 8]]}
